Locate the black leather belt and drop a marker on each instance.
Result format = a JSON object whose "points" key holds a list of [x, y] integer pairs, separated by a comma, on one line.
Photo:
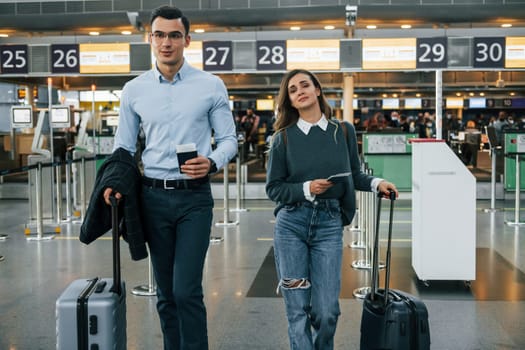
{"points": [[175, 184], [320, 203]]}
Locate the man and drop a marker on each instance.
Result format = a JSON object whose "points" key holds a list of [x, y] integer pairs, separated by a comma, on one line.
{"points": [[176, 104], [250, 125]]}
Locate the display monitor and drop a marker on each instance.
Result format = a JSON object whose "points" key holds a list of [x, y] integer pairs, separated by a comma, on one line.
{"points": [[60, 117], [477, 102], [264, 104], [412, 103], [390, 103], [21, 117], [454, 102]]}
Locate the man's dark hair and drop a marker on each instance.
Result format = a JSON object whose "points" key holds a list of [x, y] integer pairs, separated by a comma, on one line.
{"points": [[170, 12]]}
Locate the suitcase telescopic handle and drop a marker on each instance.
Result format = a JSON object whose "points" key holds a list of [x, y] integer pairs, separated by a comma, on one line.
{"points": [[392, 196], [117, 286], [375, 254]]}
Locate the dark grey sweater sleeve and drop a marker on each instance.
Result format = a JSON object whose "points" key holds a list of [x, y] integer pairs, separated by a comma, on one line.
{"points": [[278, 188]]}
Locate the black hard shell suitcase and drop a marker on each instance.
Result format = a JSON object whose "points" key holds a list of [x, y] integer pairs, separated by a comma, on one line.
{"points": [[91, 313], [399, 321]]}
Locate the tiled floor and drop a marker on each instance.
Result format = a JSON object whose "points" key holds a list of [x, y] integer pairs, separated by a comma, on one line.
{"points": [[239, 281]]}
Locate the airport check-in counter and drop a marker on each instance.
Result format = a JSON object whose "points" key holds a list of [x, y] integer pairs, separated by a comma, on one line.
{"points": [[514, 148], [389, 156], [443, 213]]}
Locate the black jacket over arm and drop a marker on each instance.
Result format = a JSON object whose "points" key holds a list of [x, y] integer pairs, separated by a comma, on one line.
{"points": [[121, 173]]}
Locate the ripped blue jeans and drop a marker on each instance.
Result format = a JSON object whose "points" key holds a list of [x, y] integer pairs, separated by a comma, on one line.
{"points": [[308, 245]]}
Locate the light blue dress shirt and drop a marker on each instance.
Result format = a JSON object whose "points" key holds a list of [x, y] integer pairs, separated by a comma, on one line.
{"points": [[174, 113]]}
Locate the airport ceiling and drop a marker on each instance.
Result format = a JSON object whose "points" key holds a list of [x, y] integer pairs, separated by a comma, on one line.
{"points": [[48, 20], [23, 17]]}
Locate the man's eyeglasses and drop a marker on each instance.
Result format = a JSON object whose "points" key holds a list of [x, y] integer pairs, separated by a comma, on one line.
{"points": [[159, 36]]}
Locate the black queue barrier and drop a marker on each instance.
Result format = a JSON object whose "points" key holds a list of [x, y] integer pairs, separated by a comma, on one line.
{"points": [[38, 189]]}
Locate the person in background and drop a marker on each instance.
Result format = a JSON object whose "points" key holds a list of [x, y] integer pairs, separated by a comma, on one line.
{"points": [[176, 104], [250, 125], [404, 124], [309, 146], [499, 125]]}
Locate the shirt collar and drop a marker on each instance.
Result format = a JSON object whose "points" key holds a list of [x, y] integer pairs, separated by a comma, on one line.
{"points": [[305, 126], [178, 76]]}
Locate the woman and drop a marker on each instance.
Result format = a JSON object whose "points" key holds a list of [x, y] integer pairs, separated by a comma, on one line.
{"points": [[307, 148]]}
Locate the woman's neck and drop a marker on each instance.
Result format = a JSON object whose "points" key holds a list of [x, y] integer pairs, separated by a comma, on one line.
{"points": [[311, 115]]}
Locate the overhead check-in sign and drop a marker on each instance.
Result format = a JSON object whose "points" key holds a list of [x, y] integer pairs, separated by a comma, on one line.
{"points": [[65, 58], [271, 55], [515, 52], [14, 59], [381, 54], [193, 53], [432, 52], [489, 52], [108, 58], [312, 54], [217, 55]]}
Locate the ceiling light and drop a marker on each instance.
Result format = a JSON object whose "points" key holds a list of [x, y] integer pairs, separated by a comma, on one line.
{"points": [[385, 95], [506, 25], [471, 94], [125, 32], [482, 94], [295, 28], [199, 30], [458, 94], [94, 33], [512, 93], [406, 26], [329, 27], [418, 95], [371, 26], [4, 35]]}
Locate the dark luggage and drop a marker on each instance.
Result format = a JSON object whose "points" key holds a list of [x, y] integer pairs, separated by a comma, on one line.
{"points": [[91, 313], [398, 321]]}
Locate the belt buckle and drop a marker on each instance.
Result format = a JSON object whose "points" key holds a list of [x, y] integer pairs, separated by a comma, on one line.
{"points": [[166, 187]]}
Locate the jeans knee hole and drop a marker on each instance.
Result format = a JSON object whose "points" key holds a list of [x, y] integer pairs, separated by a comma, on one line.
{"points": [[295, 283]]}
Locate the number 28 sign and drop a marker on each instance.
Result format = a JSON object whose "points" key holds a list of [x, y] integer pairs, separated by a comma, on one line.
{"points": [[271, 55]]}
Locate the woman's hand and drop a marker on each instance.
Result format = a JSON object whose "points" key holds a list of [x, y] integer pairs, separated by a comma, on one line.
{"points": [[384, 187], [319, 186]]}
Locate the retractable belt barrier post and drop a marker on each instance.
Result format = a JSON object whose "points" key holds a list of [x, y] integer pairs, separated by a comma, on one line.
{"points": [[69, 212], [59, 194], [226, 221], [39, 225], [239, 200], [366, 263], [493, 142], [83, 195], [150, 289], [359, 215]]}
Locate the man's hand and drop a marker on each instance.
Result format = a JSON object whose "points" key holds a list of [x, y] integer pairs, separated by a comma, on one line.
{"points": [[385, 187], [196, 167], [319, 186], [107, 193]]}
